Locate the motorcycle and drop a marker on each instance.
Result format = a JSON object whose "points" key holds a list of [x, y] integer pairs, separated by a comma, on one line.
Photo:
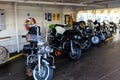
{"points": [[112, 27], [90, 31], [64, 41], [105, 29], [84, 41], [100, 33], [39, 59]]}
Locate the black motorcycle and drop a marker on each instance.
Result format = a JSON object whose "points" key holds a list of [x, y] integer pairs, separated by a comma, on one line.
{"points": [[106, 29], [100, 33], [39, 59], [84, 41], [112, 27], [65, 41], [93, 32]]}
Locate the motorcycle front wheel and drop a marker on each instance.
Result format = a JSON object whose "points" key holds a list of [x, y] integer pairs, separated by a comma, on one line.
{"points": [[103, 36], [45, 73], [87, 45], [95, 40], [109, 34], [75, 55]]}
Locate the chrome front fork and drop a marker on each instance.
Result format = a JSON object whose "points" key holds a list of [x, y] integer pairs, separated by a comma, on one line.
{"points": [[71, 44], [39, 62]]}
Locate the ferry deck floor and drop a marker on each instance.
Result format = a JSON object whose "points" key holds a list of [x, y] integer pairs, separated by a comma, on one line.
{"points": [[102, 62]]}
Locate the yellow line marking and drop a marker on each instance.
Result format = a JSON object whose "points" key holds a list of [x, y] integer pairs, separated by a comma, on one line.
{"points": [[109, 39], [16, 56]]}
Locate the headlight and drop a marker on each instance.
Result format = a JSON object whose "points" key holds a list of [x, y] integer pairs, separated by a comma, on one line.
{"points": [[75, 36], [41, 42], [79, 37], [48, 49]]}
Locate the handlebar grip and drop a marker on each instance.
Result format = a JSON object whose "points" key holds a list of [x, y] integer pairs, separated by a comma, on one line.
{"points": [[23, 36]]}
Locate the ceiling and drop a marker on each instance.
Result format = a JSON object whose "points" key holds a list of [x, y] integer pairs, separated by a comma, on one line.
{"points": [[99, 2], [96, 3]]}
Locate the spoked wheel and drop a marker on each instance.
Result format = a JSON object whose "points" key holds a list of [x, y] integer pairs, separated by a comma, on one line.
{"points": [[4, 55], [45, 73], [75, 55]]}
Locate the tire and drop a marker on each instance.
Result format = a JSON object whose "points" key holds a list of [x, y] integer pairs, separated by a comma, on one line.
{"points": [[109, 34], [76, 55], [88, 43], [4, 55], [95, 40], [103, 37], [82, 46], [47, 75]]}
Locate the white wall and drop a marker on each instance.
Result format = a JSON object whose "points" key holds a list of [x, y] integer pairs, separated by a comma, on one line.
{"points": [[36, 11], [71, 11]]}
